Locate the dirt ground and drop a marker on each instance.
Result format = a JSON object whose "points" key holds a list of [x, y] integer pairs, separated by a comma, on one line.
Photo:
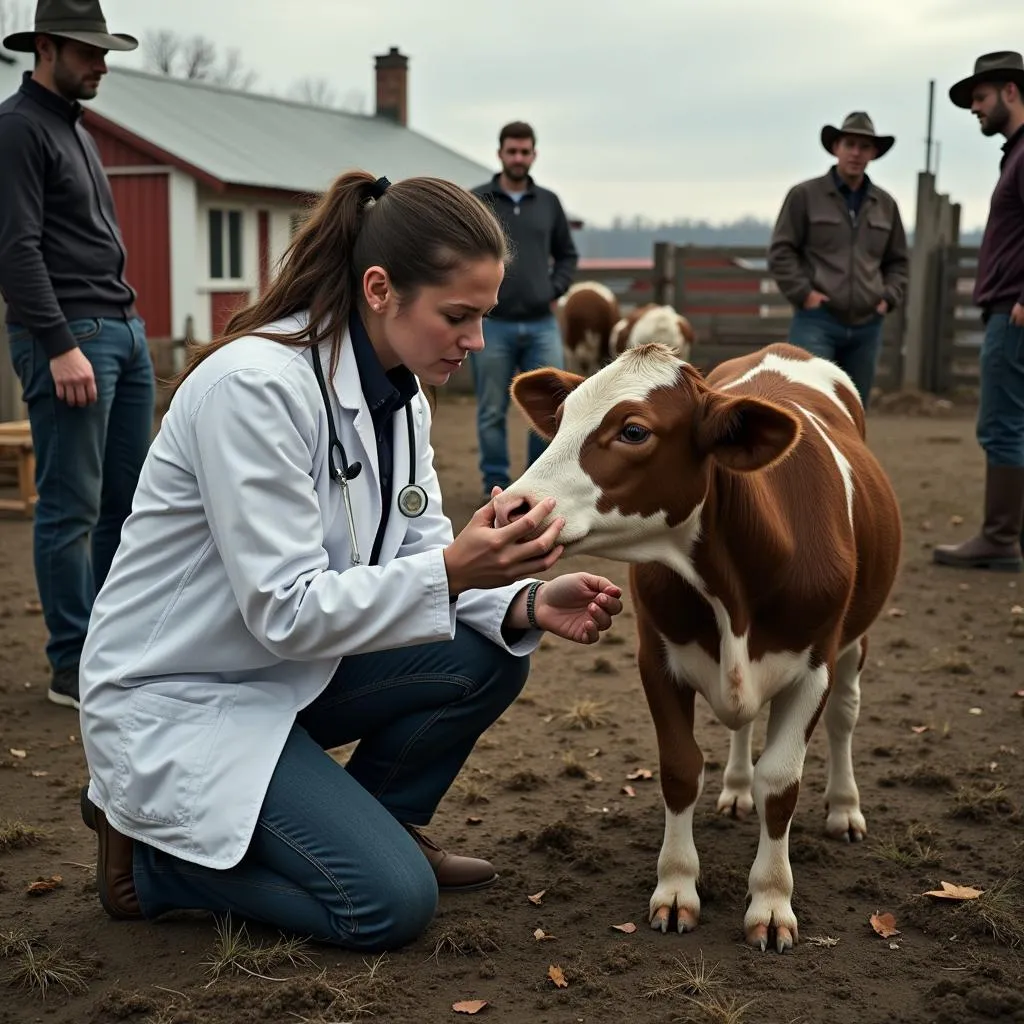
{"points": [[940, 760]]}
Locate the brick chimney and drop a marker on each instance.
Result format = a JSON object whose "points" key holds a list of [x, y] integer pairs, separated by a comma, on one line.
{"points": [[393, 86]]}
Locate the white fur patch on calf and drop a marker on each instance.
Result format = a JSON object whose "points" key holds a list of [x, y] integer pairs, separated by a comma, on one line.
{"points": [[845, 469], [820, 374], [659, 325]]}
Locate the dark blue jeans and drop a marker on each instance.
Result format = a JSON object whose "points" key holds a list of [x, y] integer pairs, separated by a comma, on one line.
{"points": [[1000, 427], [88, 460], [329, 858], [511, 347], [853, 349]]}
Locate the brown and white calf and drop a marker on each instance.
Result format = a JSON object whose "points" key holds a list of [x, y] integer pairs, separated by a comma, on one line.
{"points": [[764, 539], [653, 324], [586, 314]]}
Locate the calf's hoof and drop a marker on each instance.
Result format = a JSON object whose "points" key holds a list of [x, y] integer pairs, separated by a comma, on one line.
{"points": [[735, 803], [686, 919], [760, 936], [680, 896], [846, 826]]}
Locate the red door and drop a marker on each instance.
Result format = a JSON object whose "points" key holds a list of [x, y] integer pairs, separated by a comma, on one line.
{"points": [[222, 306]]}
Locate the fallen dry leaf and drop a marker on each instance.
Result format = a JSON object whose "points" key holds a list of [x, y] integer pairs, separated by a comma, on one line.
{"points": [[884, 925], [919, 728], [628, 927], [949, 891], [542, 936], [895, 613], [473, 820], [641, 773], [469, 1005], [1019, 693], [556, 975], [33, 608], [42, 885], [537, 897], [629, 790], [18, 753]]}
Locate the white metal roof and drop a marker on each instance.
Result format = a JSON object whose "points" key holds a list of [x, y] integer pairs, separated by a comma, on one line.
{"points": [[249, 139]]}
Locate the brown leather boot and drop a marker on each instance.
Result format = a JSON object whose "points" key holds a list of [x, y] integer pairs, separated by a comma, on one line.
{"points": [[998, 545], [114, 878], [454, 873]]}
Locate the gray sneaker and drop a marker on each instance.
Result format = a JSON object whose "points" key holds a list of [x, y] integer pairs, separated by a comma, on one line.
{"points": [[64, 688]]}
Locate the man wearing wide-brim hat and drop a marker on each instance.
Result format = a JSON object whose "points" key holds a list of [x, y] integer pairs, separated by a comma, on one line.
{"points": [[77, 343], [839, 254], [994, 93]]}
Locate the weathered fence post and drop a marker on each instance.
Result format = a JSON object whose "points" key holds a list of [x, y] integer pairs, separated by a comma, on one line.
{"points": [[661, 272]]}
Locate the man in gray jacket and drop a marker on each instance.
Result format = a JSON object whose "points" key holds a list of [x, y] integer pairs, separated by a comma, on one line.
{"points": [[77, 343], [521, 332], [839, 254]]}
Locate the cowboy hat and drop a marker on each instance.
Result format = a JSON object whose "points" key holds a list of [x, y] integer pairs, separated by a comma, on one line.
{"points": [[81, 20], [857, 123], [1002, 66]]}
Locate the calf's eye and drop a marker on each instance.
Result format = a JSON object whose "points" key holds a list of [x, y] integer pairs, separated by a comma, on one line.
{"points": [[633, 433]]}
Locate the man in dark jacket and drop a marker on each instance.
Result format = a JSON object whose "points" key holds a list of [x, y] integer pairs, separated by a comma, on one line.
{"points": [[995, 95], [521, 333], [77, 344], [839, 254]]}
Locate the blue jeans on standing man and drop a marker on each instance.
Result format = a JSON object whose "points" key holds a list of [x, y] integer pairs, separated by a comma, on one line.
{"points": [[510, 347], [1000, 425], [88, 460], [853, 348], [330, 858]]}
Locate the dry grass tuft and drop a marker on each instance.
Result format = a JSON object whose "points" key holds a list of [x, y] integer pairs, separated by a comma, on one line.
{"points": [[235, 953], [911, 850], [694, 983], [39, 968], [16, 835], [586, 714], [1000, 911]]}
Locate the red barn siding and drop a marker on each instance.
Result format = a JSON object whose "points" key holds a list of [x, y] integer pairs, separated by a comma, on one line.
{"points": [[222, 306], [143, 211], [115, 153]]}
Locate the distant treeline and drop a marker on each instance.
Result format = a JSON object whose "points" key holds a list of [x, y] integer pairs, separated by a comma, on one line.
{"points": [[636, 238]]}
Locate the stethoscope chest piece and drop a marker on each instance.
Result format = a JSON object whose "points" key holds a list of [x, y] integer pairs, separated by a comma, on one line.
{"points": [[412, 501]]}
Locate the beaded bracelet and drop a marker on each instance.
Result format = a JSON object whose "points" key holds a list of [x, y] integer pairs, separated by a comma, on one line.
{"points": [[531, 601]]}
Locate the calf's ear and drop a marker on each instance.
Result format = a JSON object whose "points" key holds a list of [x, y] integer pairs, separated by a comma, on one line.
{"points": [[539, 393], [743, 433]]}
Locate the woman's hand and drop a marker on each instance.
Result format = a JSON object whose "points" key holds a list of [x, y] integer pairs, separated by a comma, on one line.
{"points": [[578, 606], [486, 557]]}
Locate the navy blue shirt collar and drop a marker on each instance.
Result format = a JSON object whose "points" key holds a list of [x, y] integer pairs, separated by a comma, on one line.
{"points": [[845, 189], [385, 391], [49, 99]]}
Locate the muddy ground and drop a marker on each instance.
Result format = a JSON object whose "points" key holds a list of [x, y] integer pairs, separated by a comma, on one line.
{"points": [[940, 760]]}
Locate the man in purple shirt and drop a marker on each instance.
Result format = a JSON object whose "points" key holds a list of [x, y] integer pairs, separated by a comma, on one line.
{"points": [[995, 95]]}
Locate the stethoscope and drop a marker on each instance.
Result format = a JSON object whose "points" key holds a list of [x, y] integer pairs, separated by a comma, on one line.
{"points": [[412, 499]]}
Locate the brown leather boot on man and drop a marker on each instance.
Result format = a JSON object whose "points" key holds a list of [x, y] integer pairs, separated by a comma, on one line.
{"points": [[454, 873], [998, 545], [114, 879]]}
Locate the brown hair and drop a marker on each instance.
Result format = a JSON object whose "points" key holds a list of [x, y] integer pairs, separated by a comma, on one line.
{"points": [[516, 130], [420, 231]]}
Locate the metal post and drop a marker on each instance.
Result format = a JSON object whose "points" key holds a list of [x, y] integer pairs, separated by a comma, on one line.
{"points": [[931, 113]]}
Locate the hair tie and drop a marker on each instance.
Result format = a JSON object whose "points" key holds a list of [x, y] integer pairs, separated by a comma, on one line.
{"points": [[379, 187]]}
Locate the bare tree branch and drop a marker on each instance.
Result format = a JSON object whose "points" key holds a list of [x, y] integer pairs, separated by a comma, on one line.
{"points": [[199, 55], [161, 50], [315, 91], [232, 75]]}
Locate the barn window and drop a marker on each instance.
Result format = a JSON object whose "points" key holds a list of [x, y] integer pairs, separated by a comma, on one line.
{"points": [[225, 245]]}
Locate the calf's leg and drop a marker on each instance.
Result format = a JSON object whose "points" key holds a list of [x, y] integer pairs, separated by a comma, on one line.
{"points": [[682, 780], [737, 799], [842, 800], [791, 720]]}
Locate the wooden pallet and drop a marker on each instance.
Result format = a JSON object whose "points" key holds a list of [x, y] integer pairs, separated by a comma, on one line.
{"points": [[16, 443]]}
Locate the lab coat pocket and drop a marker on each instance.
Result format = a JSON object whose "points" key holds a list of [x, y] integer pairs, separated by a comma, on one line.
{"points": [[165, 746]]}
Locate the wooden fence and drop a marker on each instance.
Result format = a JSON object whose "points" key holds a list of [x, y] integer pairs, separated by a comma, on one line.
{"points": [[735, 307]]}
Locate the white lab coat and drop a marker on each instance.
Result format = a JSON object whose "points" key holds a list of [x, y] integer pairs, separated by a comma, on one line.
{"points": [[231, 599]]}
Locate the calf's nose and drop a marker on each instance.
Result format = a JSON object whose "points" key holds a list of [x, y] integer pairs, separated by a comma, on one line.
{"points": [[510, 507]]}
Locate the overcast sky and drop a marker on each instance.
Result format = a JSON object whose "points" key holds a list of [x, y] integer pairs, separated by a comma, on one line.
{"points": [[663, 108]]}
